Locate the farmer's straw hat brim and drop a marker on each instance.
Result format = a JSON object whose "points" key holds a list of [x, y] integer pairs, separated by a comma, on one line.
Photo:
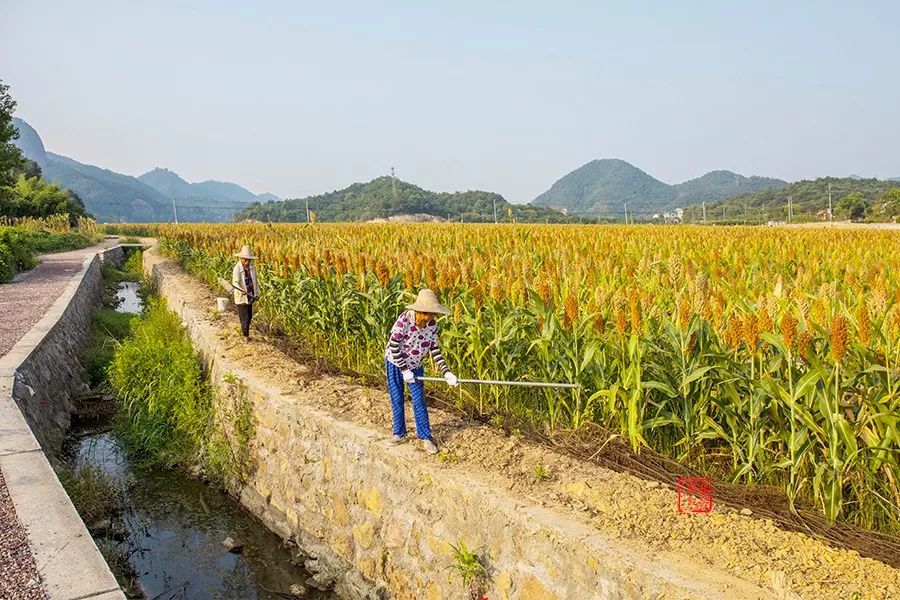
{"points": [[427, 302], [246, 253]]}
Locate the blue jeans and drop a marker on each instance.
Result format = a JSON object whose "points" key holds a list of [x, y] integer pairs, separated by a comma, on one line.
{"points": [[398, 399]]}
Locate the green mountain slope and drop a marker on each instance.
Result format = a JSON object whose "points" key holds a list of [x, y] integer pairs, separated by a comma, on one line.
{"points": [[376, 200], [166, 182], [112, 196], [602, 188], [809, 199], [718, 185], [107, 195], [29, 141], [172, 185]]}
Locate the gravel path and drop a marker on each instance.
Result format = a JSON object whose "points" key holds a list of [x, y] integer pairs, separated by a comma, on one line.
{"points": [[25, 299], [23, 302], [19, 578]]}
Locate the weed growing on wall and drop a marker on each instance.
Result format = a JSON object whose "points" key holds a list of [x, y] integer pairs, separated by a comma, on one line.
{"points": [[228, 450]]}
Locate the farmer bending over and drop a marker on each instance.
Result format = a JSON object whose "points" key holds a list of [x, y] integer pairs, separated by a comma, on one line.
{"points": [[246, 288], [414, 335]]}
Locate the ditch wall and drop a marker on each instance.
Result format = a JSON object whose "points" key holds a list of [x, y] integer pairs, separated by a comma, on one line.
{"points": [[39, 379]]}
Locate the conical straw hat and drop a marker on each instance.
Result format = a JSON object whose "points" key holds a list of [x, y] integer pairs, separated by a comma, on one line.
{"points": [[246, 253], [427, 302]]}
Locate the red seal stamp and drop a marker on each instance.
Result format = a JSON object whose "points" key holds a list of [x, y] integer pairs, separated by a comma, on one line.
{"points": [[694, 494]]}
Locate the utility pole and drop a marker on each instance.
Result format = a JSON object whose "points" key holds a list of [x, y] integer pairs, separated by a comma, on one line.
{"points": [[494, 199], [704, 212], [175, 210], [830, 217], [307, 210], [790, 208], [394, 184], [626, 213]]}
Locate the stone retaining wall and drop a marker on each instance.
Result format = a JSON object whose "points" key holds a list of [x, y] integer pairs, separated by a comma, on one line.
{"points": [[39, 378], [46, 370], [386, 517]]}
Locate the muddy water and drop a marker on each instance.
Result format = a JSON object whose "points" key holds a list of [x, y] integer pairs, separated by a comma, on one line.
{"points": [[174, 527]]}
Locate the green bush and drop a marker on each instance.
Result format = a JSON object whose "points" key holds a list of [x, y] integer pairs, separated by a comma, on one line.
{"points": [[16, 253], [18, 247], [44, 242], [166, 403]]}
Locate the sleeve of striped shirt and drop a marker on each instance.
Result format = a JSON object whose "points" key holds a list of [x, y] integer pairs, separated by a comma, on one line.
{"points": [[398, 333], [438, 358]]}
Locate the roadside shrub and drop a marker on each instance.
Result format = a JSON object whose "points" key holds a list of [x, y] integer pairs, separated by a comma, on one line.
{"points": [[15, 253], [43, 241]]}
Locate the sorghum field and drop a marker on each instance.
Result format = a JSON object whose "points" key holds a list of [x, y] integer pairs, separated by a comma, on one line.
{"points": [[758, 355]]}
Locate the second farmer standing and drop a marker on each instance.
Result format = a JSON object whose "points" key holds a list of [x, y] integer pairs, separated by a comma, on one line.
{"points": [[414, 335], [246, 288]]}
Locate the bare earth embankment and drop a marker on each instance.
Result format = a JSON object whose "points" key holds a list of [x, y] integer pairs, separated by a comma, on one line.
{"points": [[639, 514]]}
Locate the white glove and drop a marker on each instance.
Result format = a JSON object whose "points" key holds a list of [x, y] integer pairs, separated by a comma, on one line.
{"points": [[452, 379], [408, 376]]}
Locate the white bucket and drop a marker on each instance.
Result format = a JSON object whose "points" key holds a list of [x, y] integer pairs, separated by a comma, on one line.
{"points": [[222, 304]]}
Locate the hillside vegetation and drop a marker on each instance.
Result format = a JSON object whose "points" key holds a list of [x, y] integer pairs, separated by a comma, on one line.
{"points": [[377, 200], [857, 199], [113, 197], [602, 188]]}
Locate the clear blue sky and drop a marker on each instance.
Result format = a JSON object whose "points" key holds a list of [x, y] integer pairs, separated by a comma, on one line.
{"points": [[305, 97]]}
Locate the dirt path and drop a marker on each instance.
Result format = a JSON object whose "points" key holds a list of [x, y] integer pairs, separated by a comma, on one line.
{"points": [[641, 514], [23, 302]]}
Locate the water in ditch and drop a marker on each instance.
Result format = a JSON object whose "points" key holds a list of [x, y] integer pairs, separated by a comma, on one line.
{"points": [[172, 527], [127, 298]]}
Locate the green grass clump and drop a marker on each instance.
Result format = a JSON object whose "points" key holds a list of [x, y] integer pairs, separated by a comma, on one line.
{"points": [[129, 240], [94, 494], [134, 265], [108, 328], [166, 403]]}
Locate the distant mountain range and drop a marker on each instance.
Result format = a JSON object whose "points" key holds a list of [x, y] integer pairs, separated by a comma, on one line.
{"points": [[112, 197], [603, 188], [385, 198]]}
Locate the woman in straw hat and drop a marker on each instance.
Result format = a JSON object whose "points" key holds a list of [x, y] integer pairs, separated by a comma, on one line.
{"points": [[414, 335], [246, 288]]}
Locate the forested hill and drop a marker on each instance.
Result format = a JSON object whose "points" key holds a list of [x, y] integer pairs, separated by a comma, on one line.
{"points": [[377, 199], [604, 188], [852, 198]]}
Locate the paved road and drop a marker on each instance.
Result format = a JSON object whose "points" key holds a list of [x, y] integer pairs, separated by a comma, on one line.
{"points": [[25, 299], [23, 302]]}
